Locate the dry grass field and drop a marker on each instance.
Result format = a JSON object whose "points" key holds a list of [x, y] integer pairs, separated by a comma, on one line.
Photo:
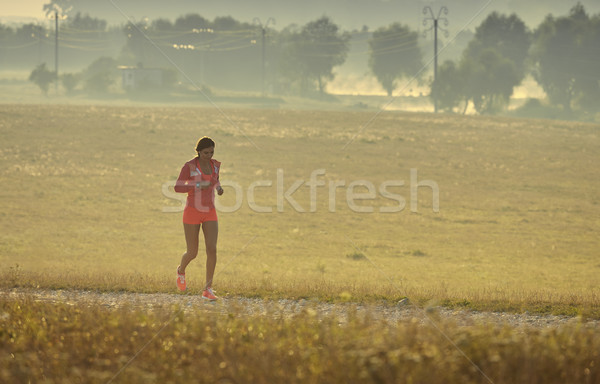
{"points": [[519, 213], [86, 342], [82, 207]]}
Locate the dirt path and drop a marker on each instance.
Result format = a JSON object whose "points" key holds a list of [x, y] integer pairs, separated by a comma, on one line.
{"points": [[248, 306]]}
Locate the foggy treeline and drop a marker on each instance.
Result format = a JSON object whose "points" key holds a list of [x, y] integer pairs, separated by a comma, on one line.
{"points": [[562, 54]]}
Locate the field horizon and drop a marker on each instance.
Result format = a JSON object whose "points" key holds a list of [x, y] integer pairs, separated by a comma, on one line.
{"points": [[528, 100]]}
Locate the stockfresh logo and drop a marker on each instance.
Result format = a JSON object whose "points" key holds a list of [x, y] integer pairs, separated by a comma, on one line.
{"points": [[359, 194]]}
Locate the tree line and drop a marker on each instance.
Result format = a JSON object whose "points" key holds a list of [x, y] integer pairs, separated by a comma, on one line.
{"points": [[562, 54]]}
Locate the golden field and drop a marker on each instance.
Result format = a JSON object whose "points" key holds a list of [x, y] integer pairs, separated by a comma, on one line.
{"points": [[83, 201], [519, 214]]}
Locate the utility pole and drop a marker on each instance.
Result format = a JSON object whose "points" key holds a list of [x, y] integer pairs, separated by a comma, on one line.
{"points": [[56, 50], [263, 28], [204, 47], [56, 18], [435, 27], [49, 9]]}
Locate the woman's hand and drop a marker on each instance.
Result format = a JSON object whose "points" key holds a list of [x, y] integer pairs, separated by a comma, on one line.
{"points": [[202, 184], [219, 190]]}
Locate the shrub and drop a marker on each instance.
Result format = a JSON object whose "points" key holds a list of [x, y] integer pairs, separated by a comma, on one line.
{"points": [[42, 77], [100, 75], [70, 81]]}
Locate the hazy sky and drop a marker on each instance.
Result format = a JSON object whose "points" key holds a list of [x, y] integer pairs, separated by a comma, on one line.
{"points": [[23, 8], [351, 14]]}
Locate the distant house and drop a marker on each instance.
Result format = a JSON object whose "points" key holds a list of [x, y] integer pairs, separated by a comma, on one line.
{"points": [[134, 78]]}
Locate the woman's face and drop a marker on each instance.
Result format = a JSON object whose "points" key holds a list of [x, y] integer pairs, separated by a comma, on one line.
{"points": [[206, 154]]}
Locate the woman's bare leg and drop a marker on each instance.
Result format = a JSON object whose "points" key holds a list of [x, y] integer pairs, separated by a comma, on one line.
{"points": [[211, 232], [191, 238]]}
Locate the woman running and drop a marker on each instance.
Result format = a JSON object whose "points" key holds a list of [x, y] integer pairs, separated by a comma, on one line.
{"points": [[199, 178]]}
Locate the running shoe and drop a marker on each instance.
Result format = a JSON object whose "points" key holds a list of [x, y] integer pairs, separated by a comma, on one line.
{"points": [[209, 294], [181, 280]]}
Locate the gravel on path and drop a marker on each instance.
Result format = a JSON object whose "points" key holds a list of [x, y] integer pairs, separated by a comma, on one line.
{"points": [[241, 306]]}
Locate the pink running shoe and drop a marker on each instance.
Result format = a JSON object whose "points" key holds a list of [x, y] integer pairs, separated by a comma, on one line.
{"points": [[209, 294], [181, 280]]}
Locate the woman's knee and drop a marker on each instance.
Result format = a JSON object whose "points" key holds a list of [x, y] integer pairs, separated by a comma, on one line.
{"points": [[192, 253], [211, 249]]}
